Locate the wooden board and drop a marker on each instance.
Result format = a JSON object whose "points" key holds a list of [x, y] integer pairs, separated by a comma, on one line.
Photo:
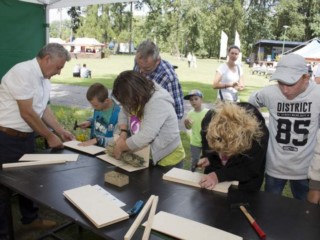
{"points": [[100, 210], [144, 152], [193, 178], [27, 164], [183, 228], [133, 228], [93, 149], [49, 156]]}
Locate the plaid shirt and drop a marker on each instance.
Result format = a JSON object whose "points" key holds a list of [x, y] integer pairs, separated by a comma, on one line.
{"points": [[166, 77]]}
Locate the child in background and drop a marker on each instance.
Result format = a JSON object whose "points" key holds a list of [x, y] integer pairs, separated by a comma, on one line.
{"points": [[193, 122], [105, 116]]}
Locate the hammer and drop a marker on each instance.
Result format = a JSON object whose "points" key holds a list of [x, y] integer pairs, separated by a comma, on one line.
{"points": [[252, 221], [75, 126]]}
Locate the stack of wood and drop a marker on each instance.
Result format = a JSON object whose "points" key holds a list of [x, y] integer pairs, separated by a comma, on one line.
{"points": [[127, 157]]}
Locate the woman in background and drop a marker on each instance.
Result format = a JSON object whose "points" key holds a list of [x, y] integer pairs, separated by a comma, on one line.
{"points": [[229, 77]]}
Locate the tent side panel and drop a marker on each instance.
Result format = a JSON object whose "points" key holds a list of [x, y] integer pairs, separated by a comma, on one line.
{"points": [[22, 28]]}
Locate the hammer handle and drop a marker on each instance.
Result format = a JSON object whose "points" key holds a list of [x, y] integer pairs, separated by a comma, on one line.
{"points": [[253, 222]]}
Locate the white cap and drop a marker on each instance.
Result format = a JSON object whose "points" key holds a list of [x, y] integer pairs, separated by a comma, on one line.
{"points": [[290, 69]]}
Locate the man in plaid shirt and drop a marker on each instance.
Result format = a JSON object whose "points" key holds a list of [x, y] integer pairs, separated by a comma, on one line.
{"points": [[149, 63]]}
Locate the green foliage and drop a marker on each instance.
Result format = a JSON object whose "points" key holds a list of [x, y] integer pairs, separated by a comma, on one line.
{"points": [[67, 117], [60, 29], [258, 26], [74, 13], [315, 25], [195, 25], [289, 13]]}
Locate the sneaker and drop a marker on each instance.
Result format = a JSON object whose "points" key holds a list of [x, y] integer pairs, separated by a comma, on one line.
{"points": [[40, 223]]}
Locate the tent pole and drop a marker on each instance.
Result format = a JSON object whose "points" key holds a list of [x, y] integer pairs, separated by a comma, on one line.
{"points": [[47, 23]]}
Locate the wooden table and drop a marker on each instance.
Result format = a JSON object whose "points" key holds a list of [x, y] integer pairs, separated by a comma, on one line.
{"points": [[280, 217]]}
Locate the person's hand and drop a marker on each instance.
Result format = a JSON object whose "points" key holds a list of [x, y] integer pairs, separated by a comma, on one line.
{"points": [[235, 84], [314, 196], [240, 87], [117, 150], [88, 143], [84, 125], [209, 181], [122, 136], [188, 123], [67, 136], [203, 162], [54, 141]]}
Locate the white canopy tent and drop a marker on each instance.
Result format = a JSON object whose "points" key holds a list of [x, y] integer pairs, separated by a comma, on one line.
{"points": [[51, 4], [311, 51], [56, 40], [69, 3]]}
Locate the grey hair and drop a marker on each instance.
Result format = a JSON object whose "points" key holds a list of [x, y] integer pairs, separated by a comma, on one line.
{"points": [[148, 48], [54, 50]]}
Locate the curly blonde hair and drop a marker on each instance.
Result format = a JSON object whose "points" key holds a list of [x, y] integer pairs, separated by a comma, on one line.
{"points": [[232, 129]]}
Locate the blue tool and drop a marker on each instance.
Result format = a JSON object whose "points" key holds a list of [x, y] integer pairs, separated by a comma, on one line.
{"points": [[136, 208]]}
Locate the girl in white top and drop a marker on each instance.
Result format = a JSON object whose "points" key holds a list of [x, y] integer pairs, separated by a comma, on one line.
{"points": [[229, 77]]}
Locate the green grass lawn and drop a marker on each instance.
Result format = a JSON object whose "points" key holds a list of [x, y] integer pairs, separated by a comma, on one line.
{"points": [[105, 70]]}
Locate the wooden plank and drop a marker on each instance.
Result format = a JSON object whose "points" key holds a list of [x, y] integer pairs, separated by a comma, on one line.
{"points": [[183, 228], [93, 149], [49, 156], [139, 218], [149, 223], [100, 210], [27, 164], [193, 178], [144, 152]]}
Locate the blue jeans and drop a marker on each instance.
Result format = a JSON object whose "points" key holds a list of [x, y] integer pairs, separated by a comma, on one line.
{"points": [[11, 149], [299, 188]]}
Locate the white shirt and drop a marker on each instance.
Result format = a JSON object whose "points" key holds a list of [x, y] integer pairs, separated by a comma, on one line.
{"points": [[76, 69], [227, 77], [317, 70], [293, 126], [22, 82], [84, 73]]}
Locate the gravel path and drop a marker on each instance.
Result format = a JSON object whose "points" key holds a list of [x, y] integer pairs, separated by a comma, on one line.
{"points": [[75, 96]]}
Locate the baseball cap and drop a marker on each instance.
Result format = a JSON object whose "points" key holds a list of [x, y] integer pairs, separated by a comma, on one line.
{"points": [[193, 92], [290, 69]]}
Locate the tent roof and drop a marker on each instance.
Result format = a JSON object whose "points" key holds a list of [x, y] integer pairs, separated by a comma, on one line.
{"points": [[56, 40], [311, 51], [278, 42], [85, 42], [69, 3]]}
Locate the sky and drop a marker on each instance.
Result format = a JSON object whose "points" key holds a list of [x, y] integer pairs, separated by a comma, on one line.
{"points": [[56, 14]]}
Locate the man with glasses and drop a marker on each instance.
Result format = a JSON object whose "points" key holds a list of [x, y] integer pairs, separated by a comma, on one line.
{"points": [[149, 63]]}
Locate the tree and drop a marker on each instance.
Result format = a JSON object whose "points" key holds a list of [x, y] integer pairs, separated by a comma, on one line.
{"points": [[60, 29], [293, 14], [258, 25], [74, 13]]}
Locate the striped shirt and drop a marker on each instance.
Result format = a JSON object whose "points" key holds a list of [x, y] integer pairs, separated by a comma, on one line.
{"points": [[166, 77]]}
